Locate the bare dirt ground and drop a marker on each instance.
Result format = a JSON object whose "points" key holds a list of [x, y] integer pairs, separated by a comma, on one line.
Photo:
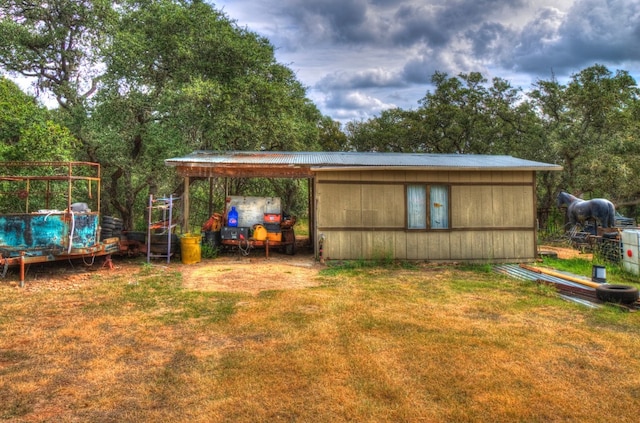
{"points": [[252, 274], [231, 272], [565, 252]]}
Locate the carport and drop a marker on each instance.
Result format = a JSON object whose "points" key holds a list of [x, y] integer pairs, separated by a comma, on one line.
{"points": [[245, 164]]}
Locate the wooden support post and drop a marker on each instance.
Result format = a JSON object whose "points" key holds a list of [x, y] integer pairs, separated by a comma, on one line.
{"points": [[185, 206]]}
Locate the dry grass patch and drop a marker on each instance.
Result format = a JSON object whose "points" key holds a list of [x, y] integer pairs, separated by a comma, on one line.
{"points": [[361, 344]]}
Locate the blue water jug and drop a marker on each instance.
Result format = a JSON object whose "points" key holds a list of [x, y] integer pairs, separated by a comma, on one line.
{"points": [[233, 217]]}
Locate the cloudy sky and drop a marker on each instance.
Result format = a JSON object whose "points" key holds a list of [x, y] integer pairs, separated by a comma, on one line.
{"points": [[359, 57]]}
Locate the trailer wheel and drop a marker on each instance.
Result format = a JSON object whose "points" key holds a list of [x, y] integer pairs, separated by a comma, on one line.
{"points": [[621, 294]]}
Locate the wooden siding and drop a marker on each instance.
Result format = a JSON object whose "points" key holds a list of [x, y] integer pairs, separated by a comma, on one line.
{"points": [[490, 206], [362, 216]]}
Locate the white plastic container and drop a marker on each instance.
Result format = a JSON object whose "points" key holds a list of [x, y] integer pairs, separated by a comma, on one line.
{"points": [[631, 250]]}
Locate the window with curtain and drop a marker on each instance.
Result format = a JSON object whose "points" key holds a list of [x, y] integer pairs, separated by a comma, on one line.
{"points": [[427, 207], [417, 207], [439, 207]]}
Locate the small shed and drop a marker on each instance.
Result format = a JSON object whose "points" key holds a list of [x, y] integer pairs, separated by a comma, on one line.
{"points": [[433, 207]]}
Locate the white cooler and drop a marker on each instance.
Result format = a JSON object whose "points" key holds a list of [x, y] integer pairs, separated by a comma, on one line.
{"points": [[631, 250]]}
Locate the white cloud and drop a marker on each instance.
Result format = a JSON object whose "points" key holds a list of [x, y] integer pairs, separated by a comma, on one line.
{"points": [[368, 78], [354, 104]]}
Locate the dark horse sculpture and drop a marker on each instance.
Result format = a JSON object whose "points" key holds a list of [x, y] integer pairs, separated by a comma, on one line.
{"points": [[580, 211]]}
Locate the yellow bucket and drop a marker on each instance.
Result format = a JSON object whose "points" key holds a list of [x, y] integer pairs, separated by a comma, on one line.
{"points": [[190, 250]]}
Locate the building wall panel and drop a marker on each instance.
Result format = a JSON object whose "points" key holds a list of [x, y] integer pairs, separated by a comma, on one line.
{"points": [[492, 206], [384, 204], [401, 247], [513, 206], [363, 216], [459, 246], [461, 177], [438, 246]]}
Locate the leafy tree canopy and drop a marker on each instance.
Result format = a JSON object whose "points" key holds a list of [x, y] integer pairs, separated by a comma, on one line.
{"points": [[26, 130], [55, 42]]}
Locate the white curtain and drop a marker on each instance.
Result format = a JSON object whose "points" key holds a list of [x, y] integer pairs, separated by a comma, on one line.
{"points": [[439, 207], [417, 207]]}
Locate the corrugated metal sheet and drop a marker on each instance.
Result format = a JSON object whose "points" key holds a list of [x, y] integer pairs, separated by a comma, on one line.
{"points": [[571, 291], [517, 272], [319, 160]]}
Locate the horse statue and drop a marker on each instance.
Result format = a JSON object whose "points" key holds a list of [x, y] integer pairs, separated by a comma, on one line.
{"points": [[579, 210]]}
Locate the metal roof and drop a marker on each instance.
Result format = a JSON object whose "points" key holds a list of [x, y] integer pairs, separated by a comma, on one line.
{"points": [[304, 163]]}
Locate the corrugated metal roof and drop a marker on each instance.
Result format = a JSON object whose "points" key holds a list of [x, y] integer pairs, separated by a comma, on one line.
{"points": [[319, 160]]}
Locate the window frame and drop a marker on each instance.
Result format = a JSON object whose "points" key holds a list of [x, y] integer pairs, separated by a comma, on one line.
{"points": [[428, 203]]}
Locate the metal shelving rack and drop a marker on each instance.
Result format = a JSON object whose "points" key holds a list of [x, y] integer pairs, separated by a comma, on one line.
{"points": [[162, 209]]}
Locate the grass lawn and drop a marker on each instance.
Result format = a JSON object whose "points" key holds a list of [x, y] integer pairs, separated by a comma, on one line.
{"points": [[370, 344]]}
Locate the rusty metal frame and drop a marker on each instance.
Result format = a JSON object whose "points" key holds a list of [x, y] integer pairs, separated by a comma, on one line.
{"points": [[66, 174], [65, 171]]}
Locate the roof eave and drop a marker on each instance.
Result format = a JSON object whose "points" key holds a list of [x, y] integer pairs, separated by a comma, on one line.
{"points": [[439, 168], [199, 170]]}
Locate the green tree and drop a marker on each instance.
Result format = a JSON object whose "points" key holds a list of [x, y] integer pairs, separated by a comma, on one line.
{"points": [[126, 137], [27, 132], [587, 125], [331, 136], [141, 81], [466, 115], [463, 114], [55, 42], [395, 130], [180, 76], [627, 147]]}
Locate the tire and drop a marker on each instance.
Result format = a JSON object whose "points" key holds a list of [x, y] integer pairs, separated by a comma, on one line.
{"points": [[137, 236], [163, 248], [163, 239], [112, 222], [621, 294], [158, 244]]}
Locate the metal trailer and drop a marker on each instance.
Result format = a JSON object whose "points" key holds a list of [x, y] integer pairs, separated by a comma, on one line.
{"points": [[265, 211], [39, 220]]}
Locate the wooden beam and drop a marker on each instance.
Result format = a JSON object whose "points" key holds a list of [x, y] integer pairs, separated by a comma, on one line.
{"points": [[560, 275], [245, 171]]}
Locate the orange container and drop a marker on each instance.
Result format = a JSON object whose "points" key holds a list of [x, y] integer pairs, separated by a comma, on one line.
{"points": [[274, 236]]}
